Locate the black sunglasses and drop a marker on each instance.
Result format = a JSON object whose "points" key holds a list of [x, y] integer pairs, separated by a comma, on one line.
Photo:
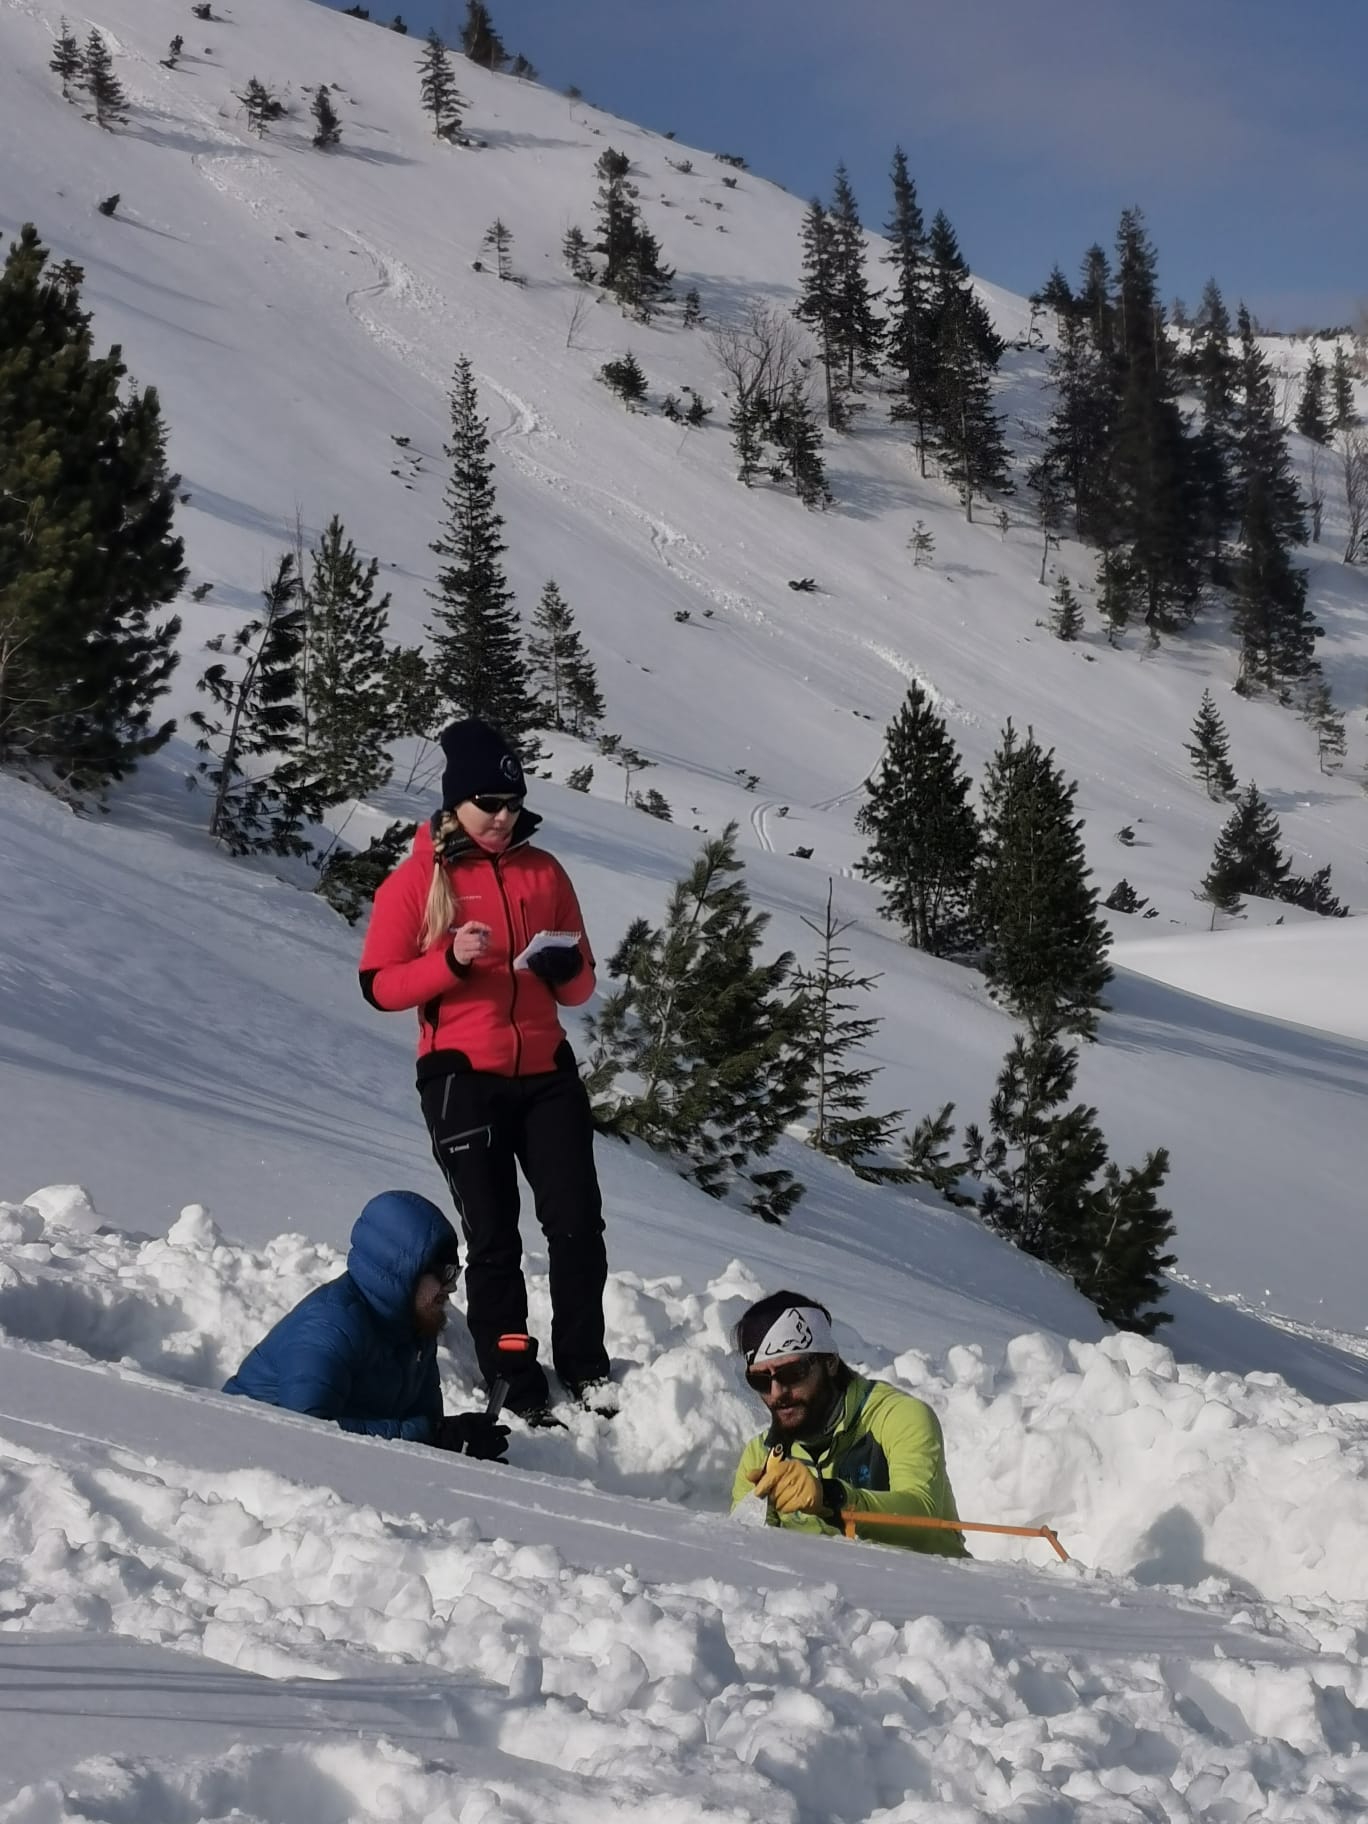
{"points": [[787, 1374], [491, 803]]}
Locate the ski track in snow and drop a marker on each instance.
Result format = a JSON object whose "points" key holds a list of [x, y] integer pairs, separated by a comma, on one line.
{"points": [[525, 424], [394, 284]]}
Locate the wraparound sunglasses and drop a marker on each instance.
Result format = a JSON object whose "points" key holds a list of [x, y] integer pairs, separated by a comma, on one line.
{"points": [[787, 1374]]}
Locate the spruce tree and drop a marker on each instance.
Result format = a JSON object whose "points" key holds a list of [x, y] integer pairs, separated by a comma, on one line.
{"points": [[1055, 295], [1075, 464], [1209, 750], [1122, 1270], [928, 1159], [349, 878], [261, 106], [88, 555], [922, 829], [1318, 707], [499, 237], [411, 694], [477, 657], [1066, 616], [1213, 370], [1118, 592], [842, 1126], [67, 61], [1038, 1160], [561, 671], [575, 253], [437, 87], [1124, 898], [744, 425], [1277, 634], [968, 433], [796, 432], [818, 303], [1343, 412], [479, 40], [1041, 1163], [644, 284], [1152, 464], [1046, 945], [858, 331], [1248, 857], [693, 308], [623, 374], [1262, 459], [346, 673], [910, 344], [632, 268], [654, 804], [1313, 419], [327, 120], [618, 224], [1094, 301], [102, 85], [716, 1049], [255, 692], [1313, 894], [950, 282]]}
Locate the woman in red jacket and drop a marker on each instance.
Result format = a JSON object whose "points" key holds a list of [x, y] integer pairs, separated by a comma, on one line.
{"points": [[496, 1075]]}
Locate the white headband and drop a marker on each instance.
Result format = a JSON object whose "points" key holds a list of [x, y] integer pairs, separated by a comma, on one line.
{"points": [[800, 1330]]}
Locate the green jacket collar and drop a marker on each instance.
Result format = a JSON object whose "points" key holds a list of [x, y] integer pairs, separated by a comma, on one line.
{"points": [[822, 1449]]}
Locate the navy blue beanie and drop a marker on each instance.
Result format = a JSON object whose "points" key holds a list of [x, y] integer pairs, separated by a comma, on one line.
{"points": [[478, 759]]}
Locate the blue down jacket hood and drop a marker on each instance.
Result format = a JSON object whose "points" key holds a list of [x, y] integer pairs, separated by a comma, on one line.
{"points": [[395, 1237], [349, 1351]]}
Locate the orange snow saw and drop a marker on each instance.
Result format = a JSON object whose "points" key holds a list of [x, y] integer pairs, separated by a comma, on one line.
{"points": [[852, 1517], [515, 1349]]}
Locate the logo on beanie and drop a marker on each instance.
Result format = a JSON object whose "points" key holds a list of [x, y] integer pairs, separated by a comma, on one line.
{"points": [[511, 769]]}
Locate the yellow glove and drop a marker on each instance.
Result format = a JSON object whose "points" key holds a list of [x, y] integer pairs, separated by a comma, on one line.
{"points": [[790, 1485]]}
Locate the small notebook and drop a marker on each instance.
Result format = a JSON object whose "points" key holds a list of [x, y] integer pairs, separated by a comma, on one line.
{"points": [[546, 940]]}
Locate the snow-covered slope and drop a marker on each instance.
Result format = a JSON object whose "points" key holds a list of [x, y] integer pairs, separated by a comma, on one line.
{"points": [[582, 1634], [298, 310]]}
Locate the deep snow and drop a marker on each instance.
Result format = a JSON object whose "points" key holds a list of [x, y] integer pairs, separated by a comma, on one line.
{"points": [[583, 1634]]}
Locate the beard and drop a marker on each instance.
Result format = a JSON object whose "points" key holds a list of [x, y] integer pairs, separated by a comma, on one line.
{"points": [[430, 1320], [804, 1412]]}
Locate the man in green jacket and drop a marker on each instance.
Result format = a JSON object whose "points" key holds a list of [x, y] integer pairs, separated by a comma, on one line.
{"points": [[836, 1441]]}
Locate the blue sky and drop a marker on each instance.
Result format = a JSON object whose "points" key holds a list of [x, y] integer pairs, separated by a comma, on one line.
{"points": [[1239, 126]]}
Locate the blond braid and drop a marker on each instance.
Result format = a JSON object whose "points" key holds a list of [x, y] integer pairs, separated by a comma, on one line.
{"points": [[439, 913]]}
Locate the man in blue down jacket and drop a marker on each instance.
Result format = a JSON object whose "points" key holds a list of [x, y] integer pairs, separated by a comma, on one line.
{"points": [[363, 1349]]}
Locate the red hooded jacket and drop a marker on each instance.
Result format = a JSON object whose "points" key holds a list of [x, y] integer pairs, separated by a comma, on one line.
{"points": [[485, 1015]]}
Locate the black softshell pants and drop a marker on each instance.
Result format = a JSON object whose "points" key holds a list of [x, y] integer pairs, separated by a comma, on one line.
{"points": [[483, 1127]]}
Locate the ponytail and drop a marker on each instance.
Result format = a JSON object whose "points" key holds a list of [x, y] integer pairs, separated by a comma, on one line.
{"points": [[439, 913]]}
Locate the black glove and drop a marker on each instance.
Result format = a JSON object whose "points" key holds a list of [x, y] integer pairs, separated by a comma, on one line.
{"points": [[557, 964], [474, 1433]]}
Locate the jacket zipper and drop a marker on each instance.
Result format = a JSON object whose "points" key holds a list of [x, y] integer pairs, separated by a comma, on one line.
{"points": [[512, 972]]}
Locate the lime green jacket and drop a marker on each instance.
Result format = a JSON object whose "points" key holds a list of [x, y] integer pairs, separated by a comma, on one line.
{"points": [[889, 1457]]}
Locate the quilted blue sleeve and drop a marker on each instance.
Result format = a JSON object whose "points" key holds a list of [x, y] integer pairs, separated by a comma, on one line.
{"points": [[315, 1377], [429, 1401]]}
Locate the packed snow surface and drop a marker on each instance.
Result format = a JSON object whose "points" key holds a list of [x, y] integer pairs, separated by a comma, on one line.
{"points": [[212, 1610], [556, 1639]]}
